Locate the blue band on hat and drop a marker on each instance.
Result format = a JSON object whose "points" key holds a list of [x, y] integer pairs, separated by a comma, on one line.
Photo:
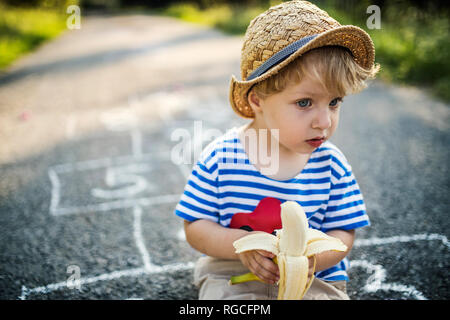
{"points": [[280, 56]]}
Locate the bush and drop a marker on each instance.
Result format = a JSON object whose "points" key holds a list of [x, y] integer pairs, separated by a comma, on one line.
{"points": [[412, 45], [23, 28]]}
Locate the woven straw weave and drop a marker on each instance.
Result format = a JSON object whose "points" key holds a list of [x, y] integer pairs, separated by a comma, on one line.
{"points": [[276, 28], [282, 25]]}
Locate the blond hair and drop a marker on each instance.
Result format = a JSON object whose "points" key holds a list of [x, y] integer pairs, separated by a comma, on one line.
{"points": [[333, 66]]}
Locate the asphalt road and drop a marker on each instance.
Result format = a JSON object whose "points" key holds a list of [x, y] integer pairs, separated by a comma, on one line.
{"points": [[90, 124]]}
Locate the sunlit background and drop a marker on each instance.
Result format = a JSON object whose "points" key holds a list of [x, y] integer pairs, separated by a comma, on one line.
{"points": [[93, 94]]}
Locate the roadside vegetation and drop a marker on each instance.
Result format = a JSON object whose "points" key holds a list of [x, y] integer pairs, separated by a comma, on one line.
{"points": [[412, 45], [23, 27]]}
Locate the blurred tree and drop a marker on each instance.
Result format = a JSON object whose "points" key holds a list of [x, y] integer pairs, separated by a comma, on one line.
{"points": [[45, 4], [103, 4], [202, 4]]}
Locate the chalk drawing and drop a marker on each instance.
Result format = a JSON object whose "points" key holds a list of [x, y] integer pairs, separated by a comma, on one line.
{"points": [[147, 269], [181, 235], [137, 211], [136, 272], [116, 176], [404, 238], [126, 175], [136, 142], [376, 281]]}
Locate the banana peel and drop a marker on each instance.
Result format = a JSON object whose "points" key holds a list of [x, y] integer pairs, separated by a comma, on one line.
{"points": [[250, 276], [292, 246]]}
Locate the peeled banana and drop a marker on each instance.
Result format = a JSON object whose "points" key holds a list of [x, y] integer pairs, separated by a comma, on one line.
{"points": [[292, 245]]}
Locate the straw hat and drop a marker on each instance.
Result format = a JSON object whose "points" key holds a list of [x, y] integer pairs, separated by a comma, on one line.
{"points": [[284, 32]]}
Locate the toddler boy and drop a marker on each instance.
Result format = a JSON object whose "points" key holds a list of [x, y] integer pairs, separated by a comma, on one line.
{"points": [[297, 65]]}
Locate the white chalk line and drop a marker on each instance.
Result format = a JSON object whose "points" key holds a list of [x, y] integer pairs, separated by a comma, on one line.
{"points": [[53, 172], [137, 155], [149, 268], [154, 269], [136, 143], [401, 238], [115, 205], [106, 162], [137, 230], [55, 195], [376, 281]]}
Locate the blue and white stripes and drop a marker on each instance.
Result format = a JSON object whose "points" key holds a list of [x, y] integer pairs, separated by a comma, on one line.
{"points": [[224, 182]]}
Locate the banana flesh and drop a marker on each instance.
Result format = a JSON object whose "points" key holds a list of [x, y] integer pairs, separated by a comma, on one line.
{"points": [[292, 246], [257, 241]]}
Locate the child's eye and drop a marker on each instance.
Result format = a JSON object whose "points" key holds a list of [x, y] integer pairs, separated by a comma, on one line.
{"points": [[335, 102], [304, 103]]}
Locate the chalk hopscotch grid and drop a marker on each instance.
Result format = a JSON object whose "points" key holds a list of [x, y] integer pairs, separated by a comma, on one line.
{"points": [[147, 269], [374, 283], [56, 209], [136, 204]]}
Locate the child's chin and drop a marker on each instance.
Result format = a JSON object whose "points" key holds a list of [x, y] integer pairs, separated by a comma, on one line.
{"points": [[305, 149]]}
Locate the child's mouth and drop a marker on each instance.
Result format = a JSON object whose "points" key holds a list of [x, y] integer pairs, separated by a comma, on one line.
{"points": [[316, 142]]}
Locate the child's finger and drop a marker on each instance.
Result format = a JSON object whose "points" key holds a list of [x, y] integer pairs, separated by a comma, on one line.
{"points": [[266, 254], [268, 265], [264, 274], [312, 263]]}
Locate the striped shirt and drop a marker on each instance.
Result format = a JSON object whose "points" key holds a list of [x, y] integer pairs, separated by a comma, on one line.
{"points": [[224, 182]]}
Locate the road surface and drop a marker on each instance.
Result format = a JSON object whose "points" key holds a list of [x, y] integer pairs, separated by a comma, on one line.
{"points": [[88, 183]]}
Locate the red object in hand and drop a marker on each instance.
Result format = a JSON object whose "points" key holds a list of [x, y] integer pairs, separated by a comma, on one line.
{"points": [[266, 217]]}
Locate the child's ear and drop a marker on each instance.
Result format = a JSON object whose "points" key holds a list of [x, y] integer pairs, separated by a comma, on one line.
{"points": [[254, 101]]}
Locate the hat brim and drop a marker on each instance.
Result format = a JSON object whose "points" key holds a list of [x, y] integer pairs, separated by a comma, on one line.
{"points": [[354, 38]]}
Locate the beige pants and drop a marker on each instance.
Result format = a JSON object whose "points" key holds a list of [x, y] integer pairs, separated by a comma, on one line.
{"points": [[211, 276]]}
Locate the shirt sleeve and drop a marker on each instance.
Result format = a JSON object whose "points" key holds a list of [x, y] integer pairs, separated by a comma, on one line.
{"points": [[346, 208], [200, 197]]}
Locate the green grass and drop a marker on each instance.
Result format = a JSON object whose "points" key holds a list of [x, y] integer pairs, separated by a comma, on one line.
{"points": [[412, 47], [230, 19], [23, 29]]}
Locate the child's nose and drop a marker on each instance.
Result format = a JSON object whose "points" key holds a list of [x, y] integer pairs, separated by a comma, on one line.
{"points": [[322, 119]]}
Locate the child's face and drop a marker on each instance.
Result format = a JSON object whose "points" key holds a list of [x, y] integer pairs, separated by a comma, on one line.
{"points": [[302, 112]]}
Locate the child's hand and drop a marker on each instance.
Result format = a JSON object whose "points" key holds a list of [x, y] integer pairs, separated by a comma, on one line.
{"points": [[311, 267], [260, 263]]}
